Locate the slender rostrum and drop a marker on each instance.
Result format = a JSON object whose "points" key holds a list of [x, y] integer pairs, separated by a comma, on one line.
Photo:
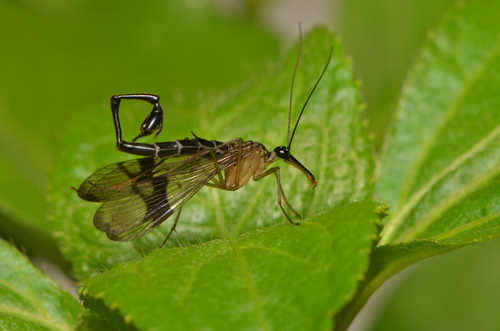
{"points": [[138, 195]]}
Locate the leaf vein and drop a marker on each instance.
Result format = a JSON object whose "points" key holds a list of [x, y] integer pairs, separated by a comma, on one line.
{"points": [[434, 214], [398, 218]]}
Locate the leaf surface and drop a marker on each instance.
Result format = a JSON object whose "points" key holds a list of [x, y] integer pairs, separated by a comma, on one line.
{"points": [[256, 281]]}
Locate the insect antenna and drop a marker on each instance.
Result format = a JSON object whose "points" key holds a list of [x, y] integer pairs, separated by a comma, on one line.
{"points": [[291, 90], [309, 97]]}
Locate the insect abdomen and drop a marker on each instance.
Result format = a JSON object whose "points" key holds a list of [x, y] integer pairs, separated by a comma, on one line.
{"points": [[184, 147]]}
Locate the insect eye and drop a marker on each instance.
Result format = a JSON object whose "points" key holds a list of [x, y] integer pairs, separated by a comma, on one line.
{"points": [[282, 152]]}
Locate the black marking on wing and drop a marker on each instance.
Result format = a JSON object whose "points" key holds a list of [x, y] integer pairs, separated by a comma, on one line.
{"points": [[138, 195]]}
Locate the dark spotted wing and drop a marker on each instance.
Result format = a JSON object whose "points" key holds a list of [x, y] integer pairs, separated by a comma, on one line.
{"points": [[138, 195]]}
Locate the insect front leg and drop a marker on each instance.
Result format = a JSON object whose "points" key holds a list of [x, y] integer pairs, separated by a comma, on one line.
{"points": [[276, 172]]}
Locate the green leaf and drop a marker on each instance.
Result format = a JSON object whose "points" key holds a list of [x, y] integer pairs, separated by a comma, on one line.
{"points": [[29, 300], [440, 172], [259, 280], [330, 142], [441, 169]]}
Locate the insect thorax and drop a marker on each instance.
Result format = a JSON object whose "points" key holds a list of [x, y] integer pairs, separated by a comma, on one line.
{"points": [[254, 160]]}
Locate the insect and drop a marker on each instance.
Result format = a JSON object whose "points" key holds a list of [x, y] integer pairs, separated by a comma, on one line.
{"points": [[139, 195]]}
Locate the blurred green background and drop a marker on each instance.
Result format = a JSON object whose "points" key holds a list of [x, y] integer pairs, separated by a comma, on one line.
{"points": [[64, 58]]}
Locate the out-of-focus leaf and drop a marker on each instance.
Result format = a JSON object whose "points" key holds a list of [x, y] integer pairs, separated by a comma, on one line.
{"points": [[383, 37], [457, 291], [29, 300]]}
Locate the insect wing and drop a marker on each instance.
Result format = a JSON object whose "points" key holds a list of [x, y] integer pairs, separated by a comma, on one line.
{"points": [[116, 181], [140, 194]]}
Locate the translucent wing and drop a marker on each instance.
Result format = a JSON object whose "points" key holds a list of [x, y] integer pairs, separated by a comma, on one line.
{"points": [[138, 195]]}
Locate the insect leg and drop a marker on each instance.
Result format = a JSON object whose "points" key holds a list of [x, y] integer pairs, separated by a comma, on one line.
{"points": [[217, 168], [276, 171], [238, 163], [222, 183], [173, 227]]}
